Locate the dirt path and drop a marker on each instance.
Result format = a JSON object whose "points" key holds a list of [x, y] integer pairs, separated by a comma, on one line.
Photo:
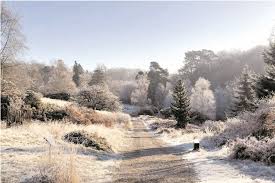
{"points": [[148, 159]]}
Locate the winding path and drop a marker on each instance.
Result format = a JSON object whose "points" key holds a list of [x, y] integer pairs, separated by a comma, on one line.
{"points": [[148, 159]]}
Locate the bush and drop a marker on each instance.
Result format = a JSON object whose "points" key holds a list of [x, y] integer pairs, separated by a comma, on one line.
{"points": [[256, 150], [98, 98], [56, 115], [213, 127], [146, 111], [33, 99], [198, 118], [48, 112], [166, 112], [258, 124], [5, 103], [60, 96], [87, 140]]}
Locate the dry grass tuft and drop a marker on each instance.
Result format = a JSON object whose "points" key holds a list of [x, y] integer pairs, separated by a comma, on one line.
{"points": [[55, 167]]}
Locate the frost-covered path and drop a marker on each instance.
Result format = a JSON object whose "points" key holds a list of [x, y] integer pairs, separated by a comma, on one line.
{"points": [[148, 159]]}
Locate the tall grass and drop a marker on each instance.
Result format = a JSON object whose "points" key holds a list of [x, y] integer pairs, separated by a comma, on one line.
{"points": [[57, 166]]}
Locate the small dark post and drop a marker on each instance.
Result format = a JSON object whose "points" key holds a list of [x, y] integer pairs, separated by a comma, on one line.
{"points": [[196, 145]]}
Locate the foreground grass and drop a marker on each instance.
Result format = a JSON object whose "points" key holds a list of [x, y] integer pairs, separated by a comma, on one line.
{"points": [[37, 148]]}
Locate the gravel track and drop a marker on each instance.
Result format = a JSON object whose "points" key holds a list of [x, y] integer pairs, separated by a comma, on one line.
{"points": [[148, 159]]}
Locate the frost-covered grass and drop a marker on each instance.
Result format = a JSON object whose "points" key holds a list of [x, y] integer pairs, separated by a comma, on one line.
{"points": [[25, 153], [60, 103], [36, 133], [83, 115]]}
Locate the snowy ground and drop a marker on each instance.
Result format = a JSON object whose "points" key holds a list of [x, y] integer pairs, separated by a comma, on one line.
{"points": [[213, 165]]}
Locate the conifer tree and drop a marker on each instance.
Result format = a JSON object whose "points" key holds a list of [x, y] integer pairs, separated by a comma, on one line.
{"points": [[266, 83], [244, 94], [77, 70], [99, 76], [156, 76], [180, 105]]}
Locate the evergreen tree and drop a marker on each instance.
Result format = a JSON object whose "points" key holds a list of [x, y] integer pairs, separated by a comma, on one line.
{"points": [[180, 105], [244, 94], [99, 76], [156, 76], [266, 83], [77, 70]]}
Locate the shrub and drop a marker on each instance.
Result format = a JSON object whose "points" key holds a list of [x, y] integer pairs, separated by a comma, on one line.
{"points": [[256, 150], [259, 124], [32, 98], [99, 98], [197, 117], [88, 140], [146, 111], [48, 111], [56, 115], [60, 96], [213, 127], [166, 112], [5, 103]]}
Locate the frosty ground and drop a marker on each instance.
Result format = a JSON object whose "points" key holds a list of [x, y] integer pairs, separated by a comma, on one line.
{"points": [[211, 164], [141, 153]]}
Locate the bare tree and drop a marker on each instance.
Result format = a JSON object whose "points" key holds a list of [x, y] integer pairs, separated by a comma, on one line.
{"points": [[12, 40]]}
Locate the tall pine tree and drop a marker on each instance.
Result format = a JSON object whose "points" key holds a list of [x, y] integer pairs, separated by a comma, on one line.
{"points": [[266, 83], [156, 76], [180, 105], [77, 70], [244, 94]]}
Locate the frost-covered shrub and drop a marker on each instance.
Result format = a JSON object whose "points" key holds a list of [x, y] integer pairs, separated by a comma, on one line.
{"points": [[60, 96], [233, 128], [146, 111], [256, 150], [166, 112], [213, 127], [32, 98], [259, 124], [197, 117], [98, 98]]}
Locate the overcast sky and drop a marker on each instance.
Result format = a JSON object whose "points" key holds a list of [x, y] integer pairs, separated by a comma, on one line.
{"points": [[131, 34]]}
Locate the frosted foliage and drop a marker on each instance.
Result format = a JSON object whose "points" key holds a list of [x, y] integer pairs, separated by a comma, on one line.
{"points": [[61, 80], [139, 95], [168, 100], [202, 99], [222, 101]]}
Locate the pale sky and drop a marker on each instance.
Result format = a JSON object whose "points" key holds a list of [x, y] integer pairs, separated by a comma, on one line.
{"points": [[131, 34]]}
